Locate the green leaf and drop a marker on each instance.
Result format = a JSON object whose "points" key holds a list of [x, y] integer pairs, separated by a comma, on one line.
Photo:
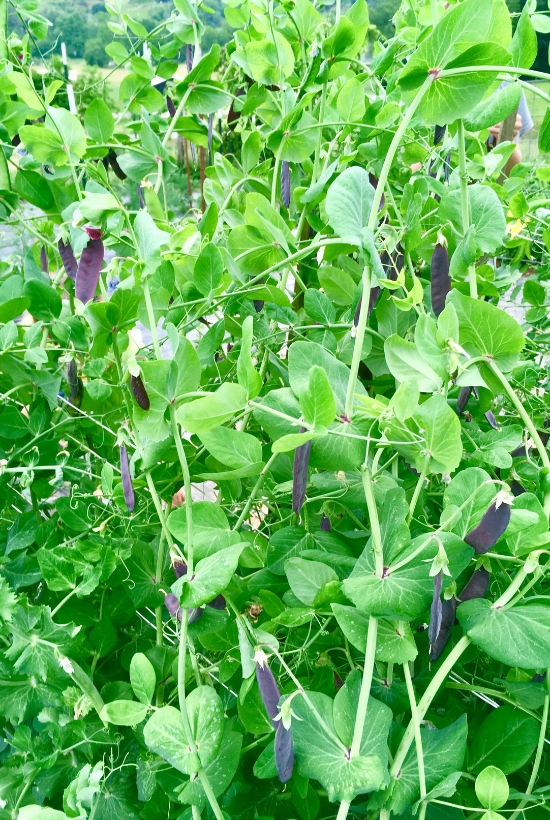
{"points": [[466, 483], [434, 431], [232, 447], [486, 214], [216, 408], [34, 188], [317, 402], [45, 301], [395, 640], [142, 678], [300, 357], [405, 362], [517, 637], [492, 788], [210, 528], [270, 59], [524, 46], [350, 103], [348, 203], [58, 572], [307, 577], [208, 271], [68, 128], [322, 757], [123, 712], [337, 285], [443, 751], [211, 577], [150, 238], [319, 307], [247, 375], [487, 331], [293, 440], [99, 121], [495, 108], [164, 734], [506, 739]]}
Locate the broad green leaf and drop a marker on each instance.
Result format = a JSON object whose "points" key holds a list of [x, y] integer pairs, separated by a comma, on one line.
{"points": [[58, 572], [351, 101], [517, 637], [319, 307], [216, 408], [485, 330], [337, 285], [507, 738], [142, 678], [124, 712], [394, 642], [307, 577], [232, 447], [293, 440], [405, 362], [247, 375], [322, 757], [486, 215], [220, 770], [208, 271], [34, 188], [492, 788], [45, 301], [210, 528], [375, 732], [524, 46], [164, 734], [317, 402], [494, 109], [301, 355], [270, 59], [348, 203], [211, 577], [443, 751], [433, 431], [150, 238], [68, 128], [99, 121], [468, 482]]}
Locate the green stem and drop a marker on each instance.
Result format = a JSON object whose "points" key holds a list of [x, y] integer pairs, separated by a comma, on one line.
{"points": [[373, 518], [359, 338], [63, 602], [464, 200], [384, 173], [418, 488], [320, 141], [525, 417], [85, 683], [362, 704], [255, 490], [160, 511], [275, 180], [425, 701], [540, 748], [151, 318], [187, 488], [509, 593], [4, 29], [416, 727]]}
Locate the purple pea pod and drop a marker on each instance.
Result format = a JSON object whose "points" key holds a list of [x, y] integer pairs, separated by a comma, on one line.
{"points": [[436, 610], [338, 682], [325, 523], [89, 268], [463, 399], [476, 587], [490, 528], [258, 303], [127, 486], [285, 183], [113, 161], [180, 569], [189, 52], [358, 312], [68, 258], [139, 391], [490, 416], [284, 752], [269, 691], [217, 603], [44, 267], [141, 201], [173, 606], [170, 106], [440, 279], [516, 488], [439, 133], [538, 678], [447, 620], [299, 474]]}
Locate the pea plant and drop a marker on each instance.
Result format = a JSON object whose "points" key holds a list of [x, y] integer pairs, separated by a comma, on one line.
{"points": [[274, 477]]}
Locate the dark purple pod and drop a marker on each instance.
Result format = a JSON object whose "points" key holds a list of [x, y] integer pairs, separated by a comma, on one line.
{"points": [[519, 452], [374, 182], [447, 167], [436, 610], [299, 474], [538, 678], [180, 569], [373, 299], [189, 52], [338, 682], [358, 312], [476, 587], [440, 279], [68, 258], [490, 528], [217, 603], [140, 196], [127, 486], [172, 605], [446, 625], [170, 106], [285, 183], [284, 753], [44, 267], [269, 691], [139, 391], [490, 416], [325, 523], [113, 161], [439, 133], [89, 268], [517, 488], [463, 399]]}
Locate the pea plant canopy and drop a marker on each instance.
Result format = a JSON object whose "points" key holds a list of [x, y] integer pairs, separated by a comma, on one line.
{"points": [[353, 619]]}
